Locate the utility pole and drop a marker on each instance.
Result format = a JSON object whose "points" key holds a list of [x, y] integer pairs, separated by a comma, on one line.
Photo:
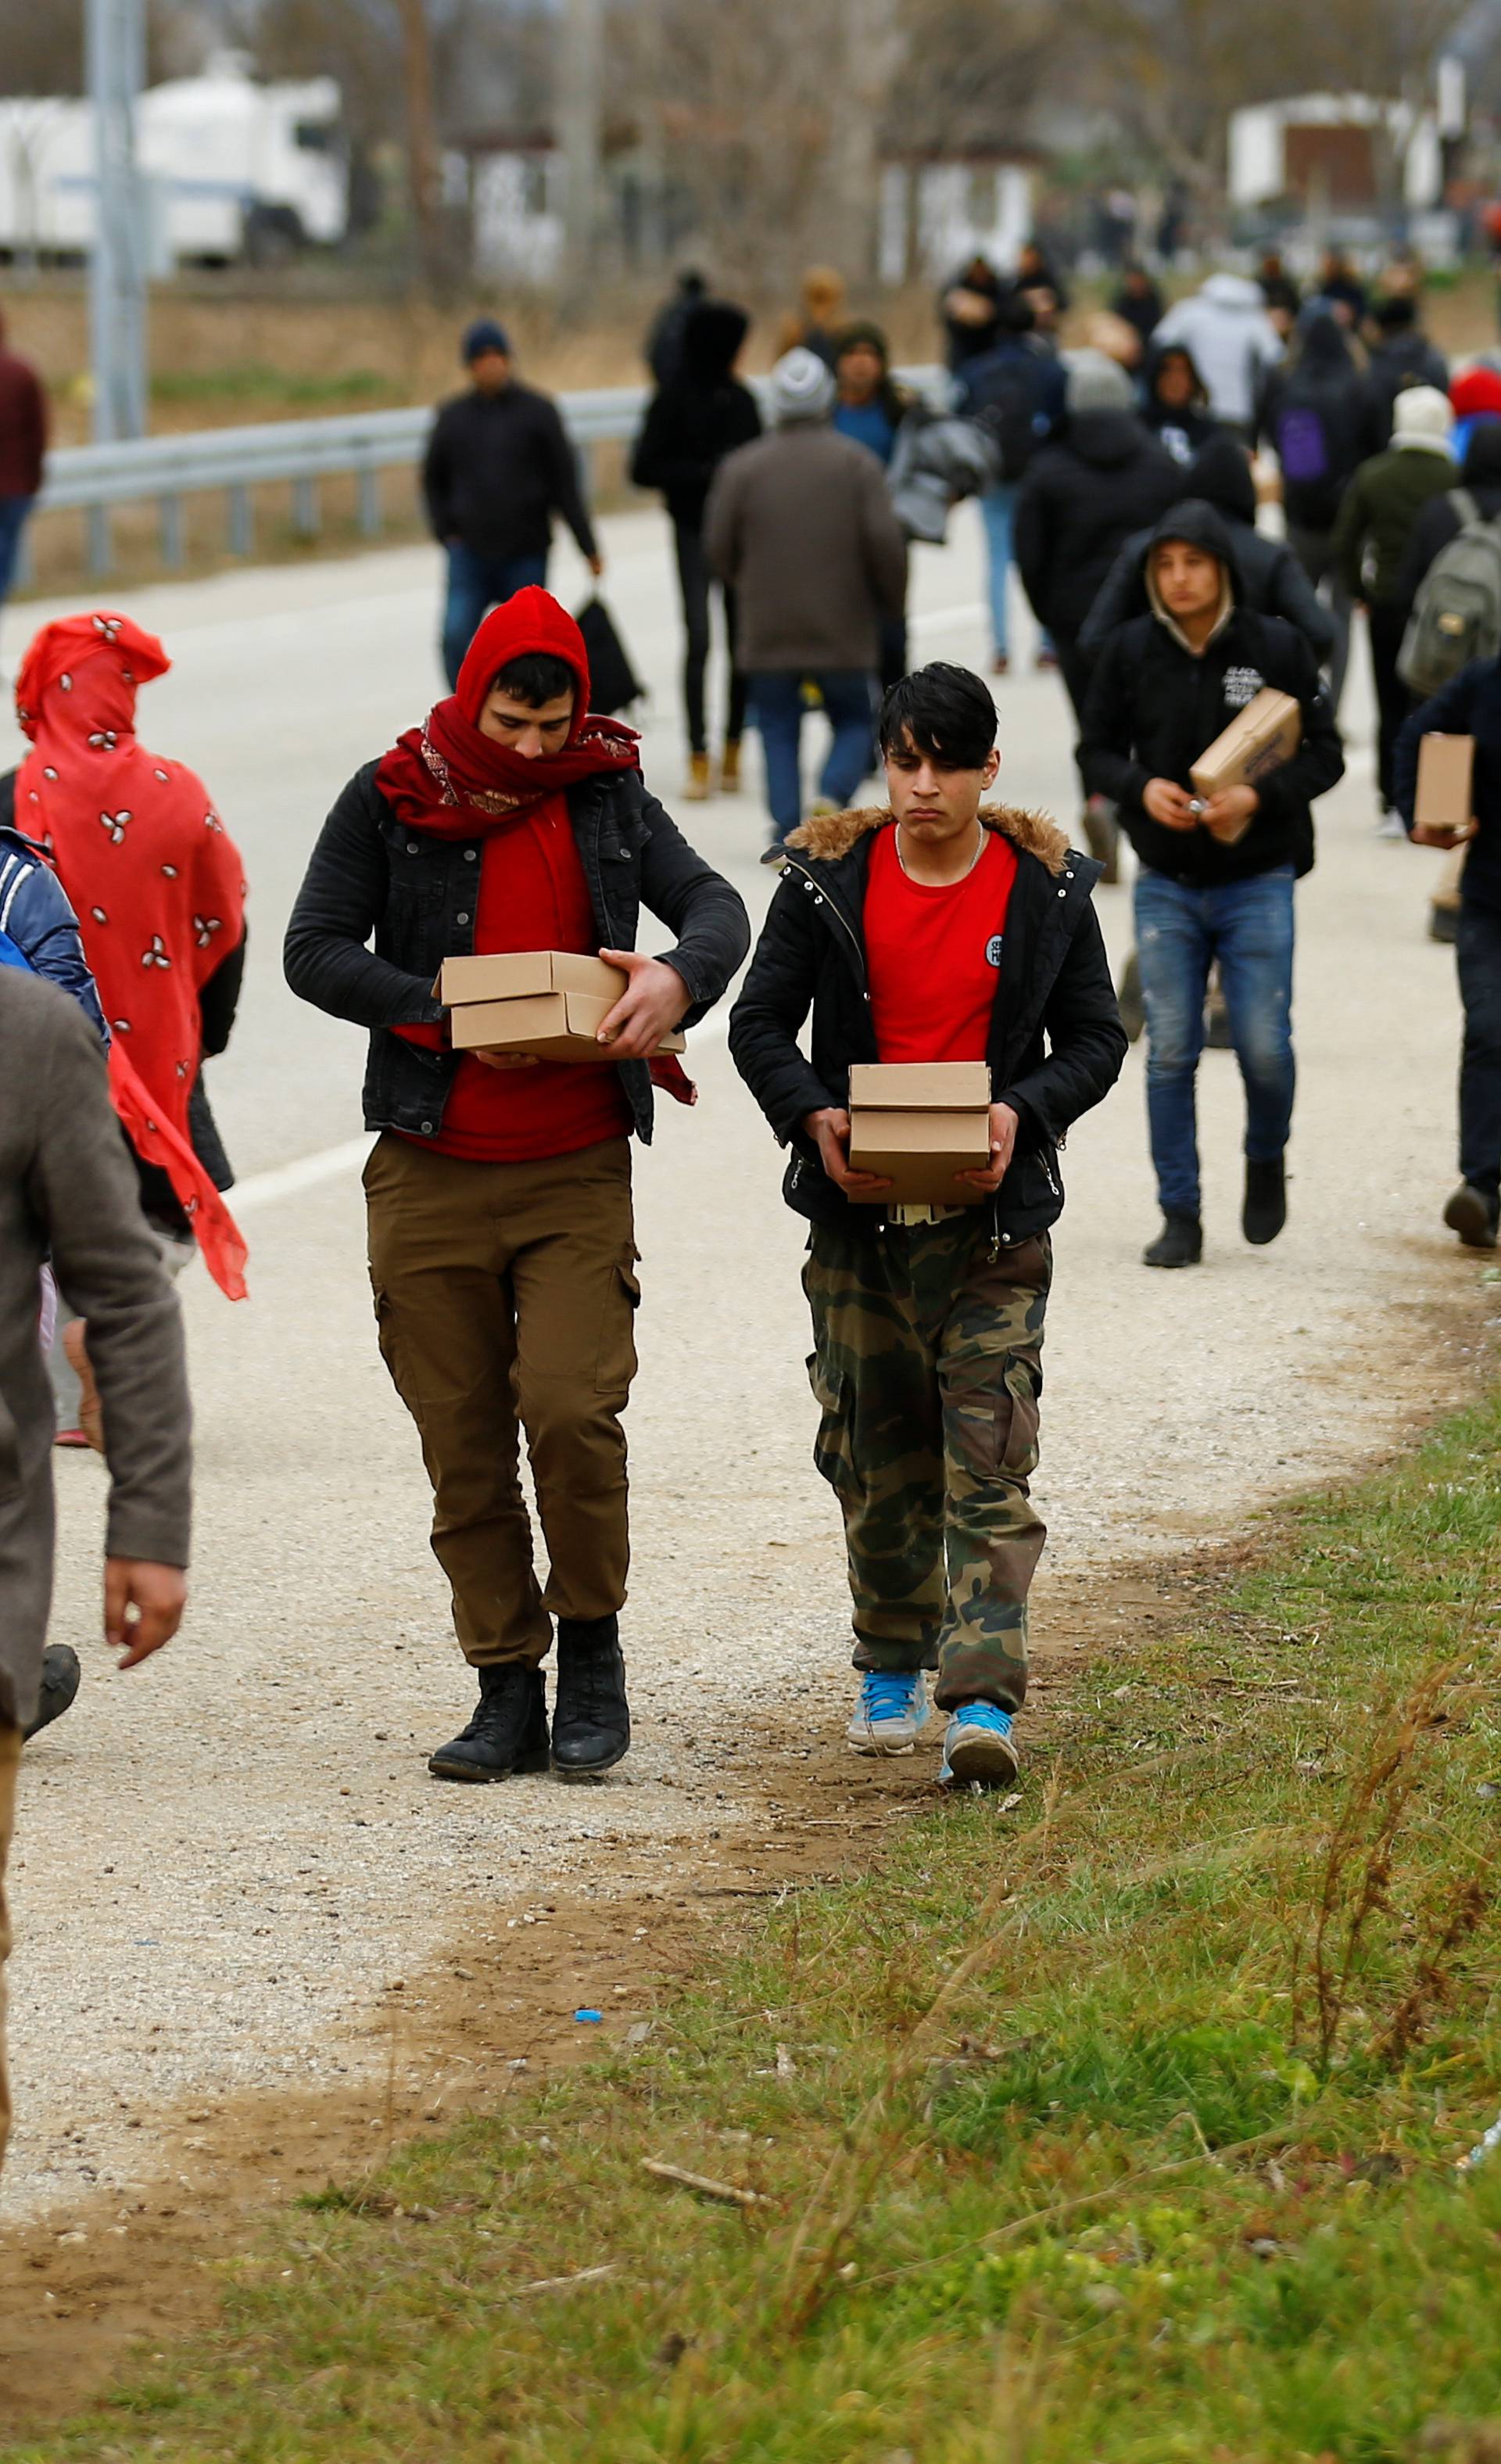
{"points": [[115, 52], [424, 168], [579, 89]]}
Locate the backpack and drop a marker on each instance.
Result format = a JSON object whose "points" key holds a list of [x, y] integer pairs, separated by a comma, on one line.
{"points": [[1003, 396], [1456, 615], [1303, 446]]}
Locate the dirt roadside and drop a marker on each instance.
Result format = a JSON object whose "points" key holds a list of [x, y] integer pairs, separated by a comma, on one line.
{"points": [[490, 2014]]}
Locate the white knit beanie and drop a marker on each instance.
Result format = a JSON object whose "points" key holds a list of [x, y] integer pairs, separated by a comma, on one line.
{"points": [[1096, 383], [801, 388], [1422, 417]]}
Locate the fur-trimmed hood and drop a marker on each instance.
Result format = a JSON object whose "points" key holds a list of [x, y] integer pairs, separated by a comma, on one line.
{"points": [[828, 836]]}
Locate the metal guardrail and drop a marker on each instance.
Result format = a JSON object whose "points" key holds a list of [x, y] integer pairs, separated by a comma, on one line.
{"points": [[234, 461]]}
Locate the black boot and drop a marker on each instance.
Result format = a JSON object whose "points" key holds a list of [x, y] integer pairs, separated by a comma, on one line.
{"points": [[591, 1718], [1179, 1243], [508, 1732], [59, 1685], [1472, 1215], [1265, 1210]]}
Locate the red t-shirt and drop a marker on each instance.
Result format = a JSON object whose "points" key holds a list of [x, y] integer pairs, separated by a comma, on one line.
{"points": [[933, 955], [533, 895]]}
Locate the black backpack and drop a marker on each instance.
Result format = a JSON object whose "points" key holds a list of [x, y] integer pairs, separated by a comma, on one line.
{"points": [[613, 681]]}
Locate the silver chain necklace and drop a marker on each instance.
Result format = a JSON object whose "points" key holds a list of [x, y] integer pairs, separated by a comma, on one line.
{"points": [[945, 885]]}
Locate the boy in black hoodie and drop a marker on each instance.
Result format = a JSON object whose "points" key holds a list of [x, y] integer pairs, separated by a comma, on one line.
{"points": [[1216, 880]]}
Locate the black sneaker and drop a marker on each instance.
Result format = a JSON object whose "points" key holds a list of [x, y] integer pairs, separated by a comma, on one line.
{"points": [[1179, 1243], [1264, 1209], [60, 1674], [590, 1717], [508, 1732], [1472, 1215]]}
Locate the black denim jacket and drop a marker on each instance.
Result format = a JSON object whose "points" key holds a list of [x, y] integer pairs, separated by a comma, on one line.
{"points": [[415, 893]]}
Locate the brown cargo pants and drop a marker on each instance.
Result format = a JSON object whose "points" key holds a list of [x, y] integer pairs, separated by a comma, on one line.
{"points": [[505, 1297]]}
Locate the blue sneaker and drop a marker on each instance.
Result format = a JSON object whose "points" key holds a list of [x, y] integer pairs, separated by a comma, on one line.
{"points": [[978, 1749], [892, 1713]]}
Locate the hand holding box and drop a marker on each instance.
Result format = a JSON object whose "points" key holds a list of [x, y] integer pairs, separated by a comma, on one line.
{"points": [[1444, 810], [550, 1004], [1258, 740]]}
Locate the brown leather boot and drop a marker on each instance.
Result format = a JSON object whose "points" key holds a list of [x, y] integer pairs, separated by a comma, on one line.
{"points": [[697, 789], [729, 767]]}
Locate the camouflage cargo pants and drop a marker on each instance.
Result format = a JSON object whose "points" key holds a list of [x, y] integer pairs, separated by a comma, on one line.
{"points": [[927, 1367]]}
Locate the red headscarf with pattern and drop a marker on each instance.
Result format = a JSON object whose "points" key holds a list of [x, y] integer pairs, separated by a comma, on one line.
{"points": [[156, 882]]}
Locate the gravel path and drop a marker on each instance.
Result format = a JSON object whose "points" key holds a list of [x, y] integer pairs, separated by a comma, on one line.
{"points": [[221, 1860]]}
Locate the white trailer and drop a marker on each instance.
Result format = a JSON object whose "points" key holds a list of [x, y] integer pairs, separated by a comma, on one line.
{"points": [[231, 170]]}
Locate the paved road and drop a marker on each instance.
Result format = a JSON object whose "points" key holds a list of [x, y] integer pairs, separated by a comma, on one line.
{"points": [[220, 1858]]}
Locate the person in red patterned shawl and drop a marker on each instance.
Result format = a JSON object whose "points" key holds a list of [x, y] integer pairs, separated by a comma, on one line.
{"points": [[159, 889]]}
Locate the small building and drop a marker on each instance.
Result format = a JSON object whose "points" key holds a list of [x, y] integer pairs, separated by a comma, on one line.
{"points": [[1335, 153]]}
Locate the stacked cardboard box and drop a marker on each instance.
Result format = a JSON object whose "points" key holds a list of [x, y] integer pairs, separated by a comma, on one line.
{"points": [[918, 1124], [550, 1004]]}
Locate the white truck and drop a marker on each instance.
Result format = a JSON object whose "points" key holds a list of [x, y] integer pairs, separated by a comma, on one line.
{"points": [[232, 171]]}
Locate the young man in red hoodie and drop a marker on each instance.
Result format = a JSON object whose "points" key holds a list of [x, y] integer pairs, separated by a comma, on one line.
{"points": [[502, 1248]]}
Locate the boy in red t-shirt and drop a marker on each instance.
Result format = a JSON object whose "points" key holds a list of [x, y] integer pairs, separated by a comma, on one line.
{"points": [[942, 928]]}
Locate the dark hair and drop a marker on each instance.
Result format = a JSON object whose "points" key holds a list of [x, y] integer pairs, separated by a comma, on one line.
{"points": [[942, 711], [1016, 313], [1394, 315], [534, 678], [861, 335]]}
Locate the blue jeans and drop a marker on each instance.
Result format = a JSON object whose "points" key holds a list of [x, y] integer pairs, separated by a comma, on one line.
{"points": [[997, 510], [777, 700], [13, 511], [1180, 932], [477, 583]]}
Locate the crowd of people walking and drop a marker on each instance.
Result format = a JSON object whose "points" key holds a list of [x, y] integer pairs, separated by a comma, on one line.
{"points": [[1119, 481]]}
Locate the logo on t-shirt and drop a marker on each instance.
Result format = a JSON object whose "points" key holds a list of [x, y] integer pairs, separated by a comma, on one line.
{"points": [[1242, 684], [992, 951]]}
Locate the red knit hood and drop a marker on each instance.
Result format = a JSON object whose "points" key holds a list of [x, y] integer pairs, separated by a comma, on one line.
{"points": [[532, 621], [449, 777]]}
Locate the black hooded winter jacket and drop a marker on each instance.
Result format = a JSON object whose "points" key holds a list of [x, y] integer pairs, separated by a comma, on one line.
{"points": [[1272, 582], [1057, 1043], [1153, 708], [1083, 495], [1322, 384], [700, 414]]}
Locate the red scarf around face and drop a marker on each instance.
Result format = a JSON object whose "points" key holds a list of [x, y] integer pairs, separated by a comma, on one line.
{"points": [[448, 777], [156, 883]]}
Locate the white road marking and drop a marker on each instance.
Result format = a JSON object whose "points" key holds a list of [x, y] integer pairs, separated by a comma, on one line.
{"points": [[291, 1179]]}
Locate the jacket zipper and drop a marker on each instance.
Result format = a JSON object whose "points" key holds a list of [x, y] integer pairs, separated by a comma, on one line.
{"points": [[824, 900]]}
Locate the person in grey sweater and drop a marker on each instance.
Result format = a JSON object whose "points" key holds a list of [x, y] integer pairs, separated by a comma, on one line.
{"points": [[68, 1191], [799, 526]]}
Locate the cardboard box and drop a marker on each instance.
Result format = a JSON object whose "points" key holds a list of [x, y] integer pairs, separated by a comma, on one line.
{"points": [[1445, 804], [1267, 733], [549, 1002], [918, 1124]]}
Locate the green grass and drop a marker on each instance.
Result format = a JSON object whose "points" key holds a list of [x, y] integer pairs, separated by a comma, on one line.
{"points": [[1074, 2159], [257, 383]]}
